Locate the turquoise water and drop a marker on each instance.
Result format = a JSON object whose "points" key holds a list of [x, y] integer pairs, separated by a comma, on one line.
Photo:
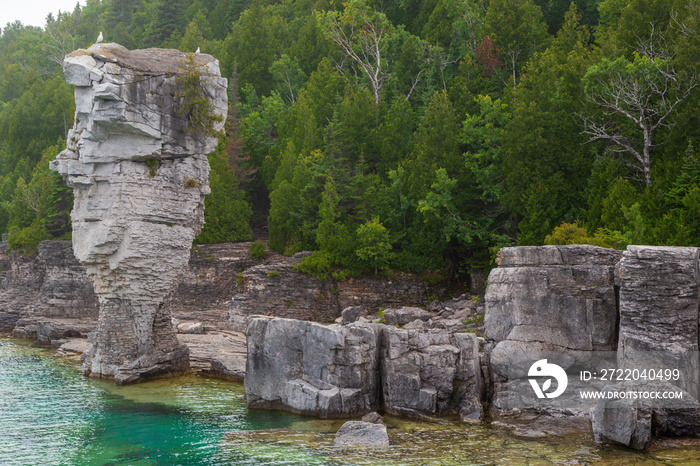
{"points": [[51, 415]]}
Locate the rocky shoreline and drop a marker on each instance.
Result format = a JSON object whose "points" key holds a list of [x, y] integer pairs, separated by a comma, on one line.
{"points": [[451, 358]]}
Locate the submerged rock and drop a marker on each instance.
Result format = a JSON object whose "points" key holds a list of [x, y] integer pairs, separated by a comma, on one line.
{"points": [[139, 175], [361, 434]]}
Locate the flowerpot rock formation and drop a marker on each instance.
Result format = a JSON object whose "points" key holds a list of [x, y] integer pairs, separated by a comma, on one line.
{"points": [[139, 173]]}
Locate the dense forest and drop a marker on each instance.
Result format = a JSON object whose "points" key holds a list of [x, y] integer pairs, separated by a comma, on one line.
{"points": [[411, 135]]}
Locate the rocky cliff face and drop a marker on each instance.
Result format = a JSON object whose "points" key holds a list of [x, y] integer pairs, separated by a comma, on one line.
{"points": [[593, 308], [51, 284], [659, 315], [547, 300], [431, 373], [274, 287], [139, 174], [659, 302]]}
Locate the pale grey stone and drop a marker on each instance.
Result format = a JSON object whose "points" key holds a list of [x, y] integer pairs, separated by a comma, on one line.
{"points": [[405, 315], [659, 300], [300, 366], [351, 314], [634, 422], [195, 328], [547, 299], [373, 417], [431, 373], [361, 434], [133, 224]]}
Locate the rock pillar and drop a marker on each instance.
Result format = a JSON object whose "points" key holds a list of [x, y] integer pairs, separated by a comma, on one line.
{"points": [[136, 160]]}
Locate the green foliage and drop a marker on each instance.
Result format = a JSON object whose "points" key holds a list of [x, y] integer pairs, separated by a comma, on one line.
{"points": [[193, 103], [545, 174], [518, 30], [572, 233], [258, 250], [567, 233], [374, 247], [26, 240], [461, 130], [153, 166], [226, 211], [317, 265]]}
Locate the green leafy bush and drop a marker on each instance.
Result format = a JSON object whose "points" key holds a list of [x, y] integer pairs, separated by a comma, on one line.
{"points": [[571, 233], [258, 250], [26, 241], [317, 264]]}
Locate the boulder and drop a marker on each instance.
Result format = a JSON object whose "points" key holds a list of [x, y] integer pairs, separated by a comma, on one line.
{"points": [[405, 315], [417, 325], [451, 325], [634, 422], [193, 328], [431, 373], [139, 175], [351, 314], [300, 366], [361, 434], [373, 417]]}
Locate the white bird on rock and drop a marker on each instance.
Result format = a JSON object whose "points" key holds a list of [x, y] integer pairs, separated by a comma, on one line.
{"points": [[197, 51], [99, 38]]}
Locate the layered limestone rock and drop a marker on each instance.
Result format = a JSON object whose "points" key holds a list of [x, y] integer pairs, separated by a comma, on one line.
{"points": [[139, 174], [431, 373], [334, 371], [659, 313], [308, 368], [42, 288], [547, 299], [274, 287], [659, 302], [634, 422]]}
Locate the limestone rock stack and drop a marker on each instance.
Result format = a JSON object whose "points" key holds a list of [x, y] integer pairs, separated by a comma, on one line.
{"points": [[139, 174], [659, 301]]}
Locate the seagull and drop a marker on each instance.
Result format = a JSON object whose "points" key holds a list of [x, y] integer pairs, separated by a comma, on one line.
{"points": [[197, 51], [99, 38]]}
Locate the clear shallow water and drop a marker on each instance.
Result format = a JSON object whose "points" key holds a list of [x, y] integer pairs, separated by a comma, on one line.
{"points": [[52, 415]]}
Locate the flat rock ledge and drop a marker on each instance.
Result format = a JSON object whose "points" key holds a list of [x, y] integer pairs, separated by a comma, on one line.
{"points": [[217, 353]]}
